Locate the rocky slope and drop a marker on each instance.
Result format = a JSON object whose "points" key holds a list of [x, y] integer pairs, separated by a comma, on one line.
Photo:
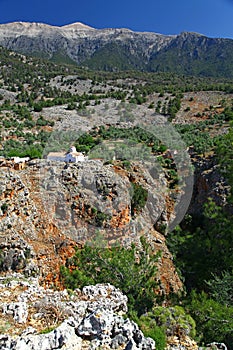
{"points": [[121, 49], [47, 209], [78, 41], [47, 320], [92, 318]]}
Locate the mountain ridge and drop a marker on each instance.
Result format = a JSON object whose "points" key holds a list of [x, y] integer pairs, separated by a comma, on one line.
{"points": [[116, 49]]}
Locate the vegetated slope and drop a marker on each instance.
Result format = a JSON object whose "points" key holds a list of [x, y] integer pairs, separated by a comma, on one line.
{"points": [[34, 108], [195, 54], [121, 49]]}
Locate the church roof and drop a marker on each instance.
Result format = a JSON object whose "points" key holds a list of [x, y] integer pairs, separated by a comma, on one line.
{"points": [[56, 154]]}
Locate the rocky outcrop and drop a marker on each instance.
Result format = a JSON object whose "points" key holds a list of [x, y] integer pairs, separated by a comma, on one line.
{"points": [[17, 213], [47, 320], [49, 208], [32, 318], [209, 182]]}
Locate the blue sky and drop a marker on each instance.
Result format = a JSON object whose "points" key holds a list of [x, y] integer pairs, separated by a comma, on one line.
{"points": [[209, 17]]}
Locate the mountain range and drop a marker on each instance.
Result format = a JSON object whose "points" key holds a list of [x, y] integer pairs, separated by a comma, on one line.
{"points": [[115, 49]]}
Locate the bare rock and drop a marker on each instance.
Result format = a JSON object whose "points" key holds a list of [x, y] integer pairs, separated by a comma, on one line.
{"points": [[18, 310], [89, 319]]}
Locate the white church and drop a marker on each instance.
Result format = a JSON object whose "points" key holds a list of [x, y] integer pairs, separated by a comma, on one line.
{"points": [[72, 156]]}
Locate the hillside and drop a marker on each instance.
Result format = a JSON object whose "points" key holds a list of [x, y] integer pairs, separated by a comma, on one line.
{"points": [[149, 211], [121, 49]]}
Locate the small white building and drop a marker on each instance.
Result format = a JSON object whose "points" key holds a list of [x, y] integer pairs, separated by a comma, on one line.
{"points": [[75, 157], [20, 160], [72, 156]]}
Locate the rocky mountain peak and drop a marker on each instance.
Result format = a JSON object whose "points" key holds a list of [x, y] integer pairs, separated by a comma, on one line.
{"points": [[77, 26], [188, 34]]}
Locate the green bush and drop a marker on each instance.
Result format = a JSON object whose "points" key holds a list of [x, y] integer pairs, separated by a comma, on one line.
{"points": [[4, 207], [28, 151], [214, 321], [41, 121], [150, 329], [221, 288], [132, 271], [38, 107], [175, 320], [138, 198], [161, 322]]}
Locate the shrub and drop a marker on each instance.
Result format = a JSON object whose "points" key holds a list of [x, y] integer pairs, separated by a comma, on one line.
{"points": [[214, 321], [138, 198], [4, 207], [38, 107], [150, 329], [166, 321], [221, 288], [175, 320], [133, 271]]}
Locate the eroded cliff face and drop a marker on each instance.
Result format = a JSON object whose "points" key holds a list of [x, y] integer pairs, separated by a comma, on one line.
{"points": [[47, 209], [28, 241], [209, 183]]}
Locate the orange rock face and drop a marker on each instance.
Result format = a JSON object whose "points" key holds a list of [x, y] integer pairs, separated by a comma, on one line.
{"points": [[53, 210]]}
